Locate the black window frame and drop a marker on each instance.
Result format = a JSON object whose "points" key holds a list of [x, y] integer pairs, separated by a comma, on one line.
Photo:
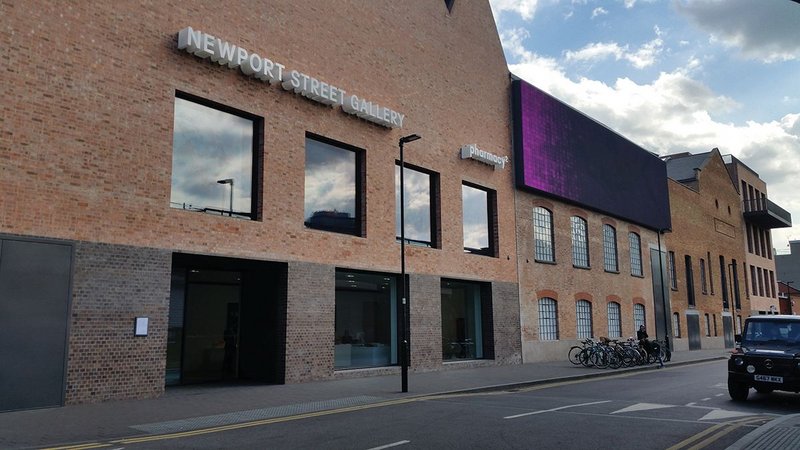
{"points": [[435, 207], [360, 177], [257, 149], [491, 216]]}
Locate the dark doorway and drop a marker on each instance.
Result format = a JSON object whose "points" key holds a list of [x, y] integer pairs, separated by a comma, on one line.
{"points": [[227, 320], [34, 314]]}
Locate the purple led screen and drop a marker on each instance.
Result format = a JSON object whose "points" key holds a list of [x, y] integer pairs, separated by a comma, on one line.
{"points": [[563, 153]]}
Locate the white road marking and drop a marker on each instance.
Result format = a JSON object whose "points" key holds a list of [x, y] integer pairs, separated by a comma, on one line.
{"points": [[719, 395], [555, 409], [723, 414], [691, 404], [643, 407], [706, 399], [393, 444]]}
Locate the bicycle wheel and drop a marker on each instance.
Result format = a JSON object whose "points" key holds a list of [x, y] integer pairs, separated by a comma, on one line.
{"points": [[574, 355]]}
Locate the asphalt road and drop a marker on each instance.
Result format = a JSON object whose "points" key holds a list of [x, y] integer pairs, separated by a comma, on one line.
{"points": [[671, 408]]}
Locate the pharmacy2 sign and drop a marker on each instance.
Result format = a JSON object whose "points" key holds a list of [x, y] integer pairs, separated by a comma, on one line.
{"points": [[471, 151], [252, 64]]}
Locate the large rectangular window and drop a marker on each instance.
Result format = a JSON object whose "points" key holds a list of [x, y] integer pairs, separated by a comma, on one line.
{"points": [[419, 198], [366, 320], [479, 220], [466, 320], [214, 162], [333, 187]]}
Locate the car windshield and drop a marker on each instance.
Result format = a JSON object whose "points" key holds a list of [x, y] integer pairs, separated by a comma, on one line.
{"points": [[772, 331]]}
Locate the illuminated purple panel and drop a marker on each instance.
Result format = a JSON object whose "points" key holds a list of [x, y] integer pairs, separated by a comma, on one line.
{"points": [[563, 153]]}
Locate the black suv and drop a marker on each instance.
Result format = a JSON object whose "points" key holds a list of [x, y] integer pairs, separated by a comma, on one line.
{"points": [[767, 357]]}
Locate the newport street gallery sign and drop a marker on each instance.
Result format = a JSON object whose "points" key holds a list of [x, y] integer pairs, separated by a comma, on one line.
{"points": [[252, 64]]}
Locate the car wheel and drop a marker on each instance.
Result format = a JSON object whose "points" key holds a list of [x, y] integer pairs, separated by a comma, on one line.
{"points": [[738, 391], [762, 390]]}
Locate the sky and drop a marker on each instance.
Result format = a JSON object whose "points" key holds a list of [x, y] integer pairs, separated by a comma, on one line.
{"points": [[674, 76]]}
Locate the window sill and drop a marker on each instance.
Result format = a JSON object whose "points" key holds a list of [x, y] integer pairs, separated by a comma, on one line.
{"points": [[615, 272], [543, 261], [582, 267], [637, 276]]}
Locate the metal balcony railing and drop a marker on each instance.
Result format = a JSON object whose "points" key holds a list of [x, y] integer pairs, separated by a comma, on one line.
{"points": [[765, 213]]}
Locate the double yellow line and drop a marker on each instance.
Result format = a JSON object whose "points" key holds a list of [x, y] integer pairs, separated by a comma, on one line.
{"points": [[713, 434], [236, 426]]}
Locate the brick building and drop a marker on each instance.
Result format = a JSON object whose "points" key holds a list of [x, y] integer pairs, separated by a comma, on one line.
{"points": [[761, 215], [196, 193], [705, 252], [587, 229]]}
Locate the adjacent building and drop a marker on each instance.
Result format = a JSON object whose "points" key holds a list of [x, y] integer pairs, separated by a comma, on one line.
{"points": [[761, 215], [590, 209], [705, 252], [788, 265]]}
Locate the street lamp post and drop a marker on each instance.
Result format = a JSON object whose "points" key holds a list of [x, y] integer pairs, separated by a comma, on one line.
{"points": [[228, 181], [404, 351]]}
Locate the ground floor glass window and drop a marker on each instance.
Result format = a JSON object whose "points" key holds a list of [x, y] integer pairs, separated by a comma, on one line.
{"points": [[462, 320], [366, 320]]}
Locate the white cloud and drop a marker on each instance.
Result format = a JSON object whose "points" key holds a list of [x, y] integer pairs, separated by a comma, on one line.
{"points": [[766, 30], [525, 8], [675, 112], [599, 11], [642, 57], [630, 3]]}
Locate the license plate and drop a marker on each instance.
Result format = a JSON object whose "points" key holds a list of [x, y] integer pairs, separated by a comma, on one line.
{"points": [[769, 378]]}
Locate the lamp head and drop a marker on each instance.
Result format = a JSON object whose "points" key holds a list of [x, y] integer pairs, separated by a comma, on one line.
{"points": [[409, 138], [225, 181]]}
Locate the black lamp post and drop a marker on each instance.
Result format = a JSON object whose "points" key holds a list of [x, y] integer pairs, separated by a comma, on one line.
{"points": [[228, 181], [404, 350]]}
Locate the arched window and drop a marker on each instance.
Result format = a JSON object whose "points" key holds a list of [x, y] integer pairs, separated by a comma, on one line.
{"points": [[548, 319], [580, 242], [543, 234], [614, 320], [638, 315], [584, 319], [610, 249], [636, 254], [676, 325]]}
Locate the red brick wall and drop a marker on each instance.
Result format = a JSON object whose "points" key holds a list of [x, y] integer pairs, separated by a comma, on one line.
{"points": [[701, 224], [567, 284]]}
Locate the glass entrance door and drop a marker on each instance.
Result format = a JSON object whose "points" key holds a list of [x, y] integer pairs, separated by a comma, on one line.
{"points": [[207, 345]]}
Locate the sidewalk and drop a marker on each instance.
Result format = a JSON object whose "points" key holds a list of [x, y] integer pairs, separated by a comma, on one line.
{"points": [[194, 407]]}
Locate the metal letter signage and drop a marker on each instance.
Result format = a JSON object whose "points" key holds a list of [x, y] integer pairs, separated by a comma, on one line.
{"points": [[471, 151], [223, 53]]}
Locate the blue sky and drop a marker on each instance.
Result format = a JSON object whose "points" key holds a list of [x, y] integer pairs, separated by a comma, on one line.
{"points": [[674, 76]]}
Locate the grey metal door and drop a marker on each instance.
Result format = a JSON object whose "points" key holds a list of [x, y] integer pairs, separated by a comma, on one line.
{"points": [[34, 308], [693, 331]]}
